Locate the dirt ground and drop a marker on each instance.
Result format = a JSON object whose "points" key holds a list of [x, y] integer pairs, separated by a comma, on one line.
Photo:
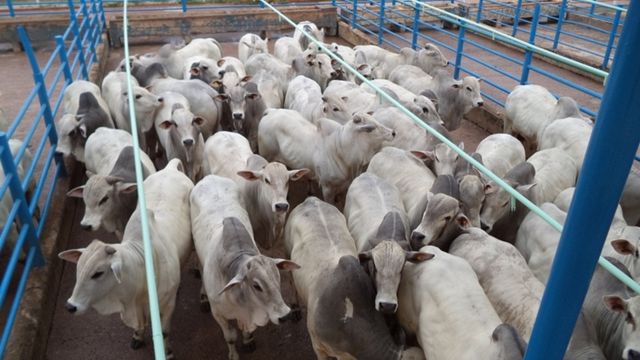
{"points": [[195, 335]]}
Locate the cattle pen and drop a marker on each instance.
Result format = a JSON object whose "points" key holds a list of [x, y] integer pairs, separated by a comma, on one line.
{"points": [[582, 48]]}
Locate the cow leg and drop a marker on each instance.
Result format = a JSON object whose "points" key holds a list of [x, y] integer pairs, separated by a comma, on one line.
{"points": [[166, 317], [137, 341], [230, 335], [205, 306], [248, 343]]}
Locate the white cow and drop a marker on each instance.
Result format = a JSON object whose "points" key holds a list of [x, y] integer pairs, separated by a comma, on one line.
{"points": [[409, 135], [555, 171], [441, 301], [263, 186], [500, 153], [286, 49], [305, 96], [505, 277], [429, 58], [530, 108], [408, 173], [411, 78], [173, 57], [336, 154], [241, 284], [111, 277], [336, 291], [250, 44], [379, 225], [570, 134]]}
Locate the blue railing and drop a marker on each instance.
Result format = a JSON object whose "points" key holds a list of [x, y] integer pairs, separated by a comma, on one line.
{"points": [[32, 189], [376, 18], [597, 41]]}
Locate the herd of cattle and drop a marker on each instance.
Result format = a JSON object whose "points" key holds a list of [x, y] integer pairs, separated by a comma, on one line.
{"points": [[410, 243]]}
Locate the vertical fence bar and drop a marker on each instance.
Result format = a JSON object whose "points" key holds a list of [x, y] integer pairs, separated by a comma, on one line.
{"points": [[354, 14], [459, 49], [64, 60], [39, 79], [479, 14], [333, 3], [516, 18], [612, 39], [381, 22], [12, 12], [416, 26], [597, 194], [592, 9], [561, 15], [87, 20], [528, 56], [104, 20], [184, 6], [78, 41]]}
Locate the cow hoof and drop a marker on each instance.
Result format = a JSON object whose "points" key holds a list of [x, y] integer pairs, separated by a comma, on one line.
{"points": [[248, 347], [136, 344]]}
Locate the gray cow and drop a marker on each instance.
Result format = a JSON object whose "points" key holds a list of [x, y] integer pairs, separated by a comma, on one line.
{"points": [[246, 107], [338, 294]]}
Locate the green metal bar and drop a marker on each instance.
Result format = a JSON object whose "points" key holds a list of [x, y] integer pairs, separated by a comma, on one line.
{"points": [[514, 193], [500, 36], [154, 308]]}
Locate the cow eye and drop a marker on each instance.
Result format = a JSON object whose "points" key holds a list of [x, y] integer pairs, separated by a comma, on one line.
{"points": [[447, 218], [336, 109], [630, 320], [505, 204], [103, 200], [257, 287], [425, 110], [469, 89], [205, 68], [97, 274], [267, 181], [138, 96]]}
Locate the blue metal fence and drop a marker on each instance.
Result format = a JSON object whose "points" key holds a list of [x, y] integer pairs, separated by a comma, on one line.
{"points": [[412, 26], [597, 40], [71, 59]]}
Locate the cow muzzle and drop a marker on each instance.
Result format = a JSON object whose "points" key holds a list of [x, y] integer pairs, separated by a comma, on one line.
{"points": [[281, 207], [70, 307], [188, 142], [633, 355], [387, 308], [485, 227], [417, 240], [86, 227]]}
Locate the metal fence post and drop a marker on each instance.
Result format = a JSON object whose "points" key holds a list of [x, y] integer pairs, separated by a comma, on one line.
{"points": [[354, 15], [87, 20], [592, 9], [381, 22], [184, 6], [479, 14], [612, 39], [12, 12], [78, 41], [528, 55], [459, 49], [416, 26], [561, 15], [104, 20], [261, 4], [64, 60], [615, 136], [516, 18], [333, 3]]}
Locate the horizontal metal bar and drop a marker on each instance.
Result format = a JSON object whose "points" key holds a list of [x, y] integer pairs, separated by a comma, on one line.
{"points": [[47, 67], [23, 110], [566, 82], [605, 5], [32, 167], [29, 135], [55, 80]]}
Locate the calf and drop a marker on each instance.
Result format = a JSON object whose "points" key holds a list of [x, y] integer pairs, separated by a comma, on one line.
{"points": [[251, 44], [379, 225], [111, 277], [429, 58], [246, 107], [304, 95], [409, 175], [336, 156], [181, 137], [341, 317], [442, 302], [201, 68], [263, 186], [241, 284], [173, 57]]}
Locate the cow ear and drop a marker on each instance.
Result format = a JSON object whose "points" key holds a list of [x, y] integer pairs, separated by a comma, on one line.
{"points": [[246, 78], [253, 96], [222, 97], [116, 267], [128, 188], [286, 265], [456, 85], [366, 128], [198, 121], [463, 222], [423, 155], [76, 192], [345, 98], [623, 247], [489, 189], [221, 62], [250, 175], [525, 188], [615, 303], [364, 257], [417, 256], [166, 124], [233, 282], [216, 84], [71, 255], [295, 175], [82, 129]]}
